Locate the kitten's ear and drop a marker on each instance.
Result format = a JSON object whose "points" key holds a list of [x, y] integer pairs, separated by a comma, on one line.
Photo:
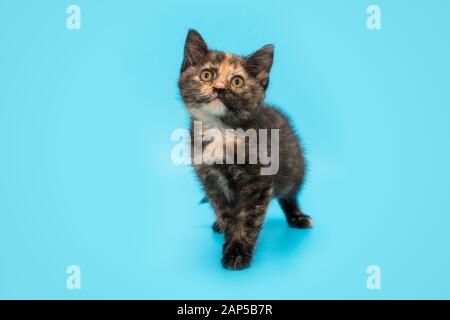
{"points": [[258, 64], [195, 50]]}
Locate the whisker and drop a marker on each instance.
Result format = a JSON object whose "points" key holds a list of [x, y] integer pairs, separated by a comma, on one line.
{"points": [[197, 99]]}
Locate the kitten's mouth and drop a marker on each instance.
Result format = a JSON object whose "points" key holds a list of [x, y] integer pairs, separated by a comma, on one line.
{"points": [[214, 97], [213, 106]]}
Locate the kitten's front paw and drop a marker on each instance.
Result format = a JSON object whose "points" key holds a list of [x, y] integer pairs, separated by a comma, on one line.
{"points": [[236, 258], [236, 262], [301, 222]]}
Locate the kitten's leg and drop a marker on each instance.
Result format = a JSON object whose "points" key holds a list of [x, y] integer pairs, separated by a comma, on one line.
{"points": [[241, 229], [294, 216]]}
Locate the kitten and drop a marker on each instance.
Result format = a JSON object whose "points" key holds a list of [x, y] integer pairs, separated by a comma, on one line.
{"points": [[223, 91]]}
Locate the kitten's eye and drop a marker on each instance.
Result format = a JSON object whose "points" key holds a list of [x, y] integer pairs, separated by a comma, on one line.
{"points": [[237, 82], [206, 76]]}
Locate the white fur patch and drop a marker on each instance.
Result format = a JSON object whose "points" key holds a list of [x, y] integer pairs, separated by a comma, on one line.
{"points": [[209, 113]]}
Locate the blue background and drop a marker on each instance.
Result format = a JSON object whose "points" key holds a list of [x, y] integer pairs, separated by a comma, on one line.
{"points": [[86, 176]]}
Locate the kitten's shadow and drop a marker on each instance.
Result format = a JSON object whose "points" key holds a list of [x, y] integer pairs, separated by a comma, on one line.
{"points": [[276, 239]]}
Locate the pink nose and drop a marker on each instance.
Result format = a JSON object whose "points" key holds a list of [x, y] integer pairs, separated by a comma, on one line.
{"points": [[219, 85]]}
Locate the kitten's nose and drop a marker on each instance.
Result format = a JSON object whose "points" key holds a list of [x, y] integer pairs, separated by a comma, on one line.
{"points": [[219, 85]]}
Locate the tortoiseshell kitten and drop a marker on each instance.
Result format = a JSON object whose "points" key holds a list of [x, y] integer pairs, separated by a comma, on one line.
{"points": [[226, 91]]}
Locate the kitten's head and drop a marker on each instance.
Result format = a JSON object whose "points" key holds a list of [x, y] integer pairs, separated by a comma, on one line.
{"points": [[221, 86]]}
